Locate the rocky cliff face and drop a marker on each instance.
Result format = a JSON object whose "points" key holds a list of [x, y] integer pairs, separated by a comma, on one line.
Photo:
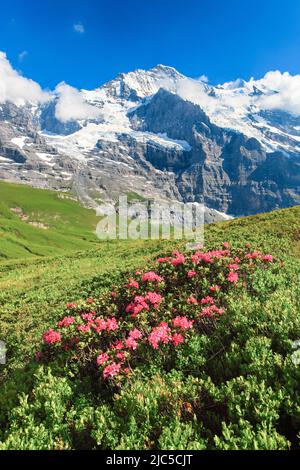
{"points": [[224, 169], [151, 137]]}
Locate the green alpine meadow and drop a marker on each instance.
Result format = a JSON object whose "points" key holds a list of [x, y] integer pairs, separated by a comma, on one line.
{"points": [[143, 344], [150, 232]]}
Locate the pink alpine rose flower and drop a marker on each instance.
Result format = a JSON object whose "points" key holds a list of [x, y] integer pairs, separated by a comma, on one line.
{"points": [[177, 339], [191, 274], [233, 266], [71, 305], [117, 345], [179, 258], [84, 328], [211, 310], [164, 260], [154, 298], [112, 324], [233, 277], [111, 370], [182, 322], [192, 300], [135, 334], [66, 321], [131, 343], [207, 300], [52, 336], [268, 258], [151, 276], [214, 288], [102, 359], [121, 356], [132, 284], [159, 334], [100, 325]]}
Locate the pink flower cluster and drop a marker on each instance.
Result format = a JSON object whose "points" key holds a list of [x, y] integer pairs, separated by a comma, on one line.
{"points": [[177, 339], [97, 324], [89, 317], [142, 303], [52, 336], [151, 276], [233, 266], [115, 351], [172, 312], [259, 255], [165, 259], [137, 306], [182, 322], [102, 359], [191, 274], [154, 298], [233, 277], [178, 259], [65, 322], [209, 256], [160, 334], [111, 370], [131, 341], [211, 310], [215, 288], [132, 284], [207, 300], [71, 306]]}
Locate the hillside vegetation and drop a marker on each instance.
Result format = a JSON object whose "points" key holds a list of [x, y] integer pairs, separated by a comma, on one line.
{"points": [[224, 379], [37, 222]]}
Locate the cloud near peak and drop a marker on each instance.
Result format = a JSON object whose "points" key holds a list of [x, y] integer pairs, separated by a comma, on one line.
{"points": [[16, 88], [72, 106], [286, 92], [280, 91]]}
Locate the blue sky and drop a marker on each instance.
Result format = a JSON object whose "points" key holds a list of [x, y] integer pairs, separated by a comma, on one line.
{"points": [[87, 42]]}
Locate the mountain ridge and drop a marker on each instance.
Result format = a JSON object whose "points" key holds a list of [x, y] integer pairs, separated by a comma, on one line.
{"points": [[161, 134]]}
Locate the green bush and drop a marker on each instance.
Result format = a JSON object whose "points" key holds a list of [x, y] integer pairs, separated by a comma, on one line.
{"points": [[233, 383]]}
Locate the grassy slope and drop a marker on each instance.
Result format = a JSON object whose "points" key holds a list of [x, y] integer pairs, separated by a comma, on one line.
{"points": [[33, 290], [41, 269], [73, 263], [71, 227]]}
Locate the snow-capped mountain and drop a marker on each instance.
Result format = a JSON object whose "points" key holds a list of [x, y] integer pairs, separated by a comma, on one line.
{"points": [[157, 133]]}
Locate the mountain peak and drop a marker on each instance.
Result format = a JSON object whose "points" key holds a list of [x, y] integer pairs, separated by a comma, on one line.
{"points": [[164, 68]]}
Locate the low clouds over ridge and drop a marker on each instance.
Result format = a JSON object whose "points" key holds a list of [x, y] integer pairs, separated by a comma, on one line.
{"points": [[287, 87], [17, 89], [280, 91], [72, 106]]}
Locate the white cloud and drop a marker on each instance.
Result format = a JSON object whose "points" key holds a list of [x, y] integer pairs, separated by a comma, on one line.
{"points": [[71, 105], [22, 55], [194, 91], [204, 78], [16, 88], [284, 92], [280, 91], [78, 27]]}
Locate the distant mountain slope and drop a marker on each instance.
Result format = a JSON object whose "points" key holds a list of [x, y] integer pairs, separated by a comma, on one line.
{"points": [[39, 222], [161, 135]]}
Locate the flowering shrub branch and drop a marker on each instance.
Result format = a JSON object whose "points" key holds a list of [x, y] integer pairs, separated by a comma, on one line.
{"points": [[154, 312]]}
